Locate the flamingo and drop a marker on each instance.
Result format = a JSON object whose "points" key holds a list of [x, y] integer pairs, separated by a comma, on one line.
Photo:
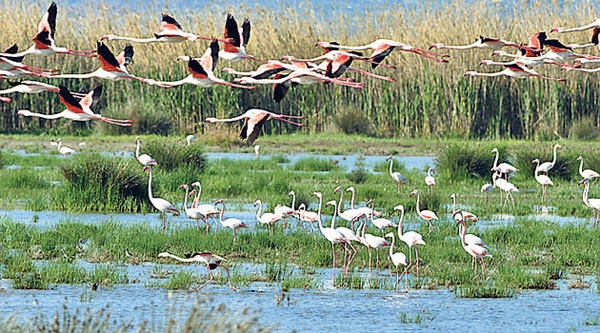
{"points": [[212, 261], [256, 151], [546, 166], [429, 180], [503, 168], [307, 216], [476, 251], [264, 71], [192, 212], [62, 149], [33, 87], [485, 189], [380, 223], [267, 218], [525, 59], [542, 179], [587, 173], [170, 32], [411, 238], [467, 215], [44, 39], [77, 110], [505, 187], [559, 51], [593, 41], [427, 215], [284, 210], [232, 223], [349, 237], [144, 159], [112, 68], [481, 43], [12, 66], [365, 210], [592, 203], [398, 258], [593, 25], [332, 235], [349, 215], [254, 119], [189, 139], [383, 47], [374, 242], [159, 203], [206, 209], [235, 49], [397, 176], [516, 70], [469, 238], [201, 71]]}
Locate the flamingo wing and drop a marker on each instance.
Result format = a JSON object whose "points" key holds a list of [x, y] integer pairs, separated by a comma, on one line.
{"points": [[126, 56], [595, 34], [42, 40], [196, 69], [280, 89], [107, 59], [209, 59], [13, 49], [245, 32], [169, 23], [337, 67], [87, 100], [252, 127], [231, 31], [48, 21], [382, 51], [67, 99]]}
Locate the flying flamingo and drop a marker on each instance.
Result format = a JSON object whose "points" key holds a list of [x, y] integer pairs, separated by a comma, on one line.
{"points": [[267, 218], [587, 173], [201, 71], [430, 180], [398, 258], [349, 237], [235, 49], [542, 179], [481, 43], [332, 235], [593, 41], [232, 223], [467, 215], [348, 215], [427, 215], [380, 223], [206, 209], [560, 52], [212, 261], [411, 238], [159, 203], [192, 212], [33, 87], [77, 110], [476, 251], [592, 203], [170, 32], [516, 70], [62, 149], [13, 67], [383, 47], [397, 176], [44, 39], [593, 25], [264, 71], [546, 166], [300, 76], [254, 119], [503, 168], [144, 159]]}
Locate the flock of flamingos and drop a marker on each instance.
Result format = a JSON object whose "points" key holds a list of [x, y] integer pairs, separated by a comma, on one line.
{"points": [[283, 74]]}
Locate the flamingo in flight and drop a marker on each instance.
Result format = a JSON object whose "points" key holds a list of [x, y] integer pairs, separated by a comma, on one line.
{"points": [[593, 41], [12, 66], [43, 42], [516, 70], [33, 87], [254, 119], [112, 68], [170, 32], [212, 261], [201, 71], [77, 110], [593, 25], [264, 71], [235, 48], [383, 47], [559, 51], [480, 43], [159, 203]]}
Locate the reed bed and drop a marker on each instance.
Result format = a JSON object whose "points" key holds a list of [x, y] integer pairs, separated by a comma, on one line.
{"points": [[429, 100]]}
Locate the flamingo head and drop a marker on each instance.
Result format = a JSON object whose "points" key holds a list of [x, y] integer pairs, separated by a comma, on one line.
{"points": [[331, 203], [370, 202], [453, 196], [302, 207], [197, 184], [389, 235], [106, 37], [470, 73], [537, 160], [210, 120], [580, 158], [414, 192], [243, 80], [337, 189], [389, 157], [288, 58], [163, 255], [192, 192], [350, 189], [148, 168], [228, 70], [184, 58], [220, 201], [556, 29], [257, 202], [318, 194], [485, 62], [399, 207], [185, 186], [558, 146], [495, 150], [436, 46], [292, 193]]}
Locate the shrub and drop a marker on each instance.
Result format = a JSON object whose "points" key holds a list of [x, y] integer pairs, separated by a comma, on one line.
{"points": [[463, 161], [171, 153], [353, 122], [564, 168], [584, 129]]}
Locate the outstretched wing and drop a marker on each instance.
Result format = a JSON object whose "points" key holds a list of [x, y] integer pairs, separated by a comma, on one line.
{"points": [[231, 31], [169, 23], [245, 32]]}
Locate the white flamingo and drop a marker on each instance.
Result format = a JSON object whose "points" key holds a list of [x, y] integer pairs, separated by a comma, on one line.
{"points": [[475, 251], [191, 212], [396, 176], [332, 235], [231, 223], [206, 209], [467, 215], [411, 238], [505, 187], [374, 242], [380, 223], [592, 203], [267, 218], [546, 166], [159, 203], [587, 173], [398, 258], [349, 215], [144, 159], [504, 168], [63, 149], [429, 180], [426, 214], [349, 237], [365, 210], [211, 261], [542, 179]]}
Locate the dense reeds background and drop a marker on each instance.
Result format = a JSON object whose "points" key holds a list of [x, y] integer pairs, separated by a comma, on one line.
{"points": [[428, 100]]}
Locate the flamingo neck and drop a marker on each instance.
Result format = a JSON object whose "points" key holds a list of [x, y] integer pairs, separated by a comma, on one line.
{"points": [[554, 158], [259, 211], [185, 200], [400, 233], [137, 149], [391, 165], [581, 166], [333, 218], [392, 246], [496, 159], [417, 207], [150, 184], [319, 213], [339, 206], [222, 212], [352, 200], [179, 258], [294, 201]]}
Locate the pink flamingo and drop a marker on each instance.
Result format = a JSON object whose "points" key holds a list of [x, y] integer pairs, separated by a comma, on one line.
{"points": [[212, 261], [426, 215], [231, 223]]}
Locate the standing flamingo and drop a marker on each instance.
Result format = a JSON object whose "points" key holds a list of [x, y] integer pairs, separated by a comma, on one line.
{"points": [[380, 223], [267, 218], [505, 187], [192, 212], [63, 149], [487, 190], [348, 215], [206, 209], [349, 237], [374, 242], [307, 216], [503, 168], [542, 179], [467, 215], [159, 203], [212, 261], [411, 238], [365, 210], [254, 119], [587, 173], [398, 258], [397, 176], [235, 49], [232, 223], [332, 235], [77, 110], [430, 180], [284, 210], [44, 39], [592, 203], [144, 159], [427, 215], [170, 32], [476, 251], [546, 166]]}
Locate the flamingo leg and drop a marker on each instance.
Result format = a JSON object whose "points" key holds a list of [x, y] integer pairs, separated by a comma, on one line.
{"points": [[417, 254], [398, 187], [370, 259], [210, 279], [377, 263], [228, 277], [333, 268], [207, 224], [164, 225], [352, 255], [234, 235]]}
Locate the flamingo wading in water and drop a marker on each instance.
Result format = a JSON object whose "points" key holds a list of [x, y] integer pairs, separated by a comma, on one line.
{"points": [[411, 238], [212, 261], [159, 203], [426, 215], [397, 176], [231, 223]]}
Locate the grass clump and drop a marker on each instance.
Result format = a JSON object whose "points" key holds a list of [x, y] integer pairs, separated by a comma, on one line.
{"points": [[102, 184], [352, 121], [181, 281], [315, 164], [460, 162], [172, 153], [484, 292]]}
